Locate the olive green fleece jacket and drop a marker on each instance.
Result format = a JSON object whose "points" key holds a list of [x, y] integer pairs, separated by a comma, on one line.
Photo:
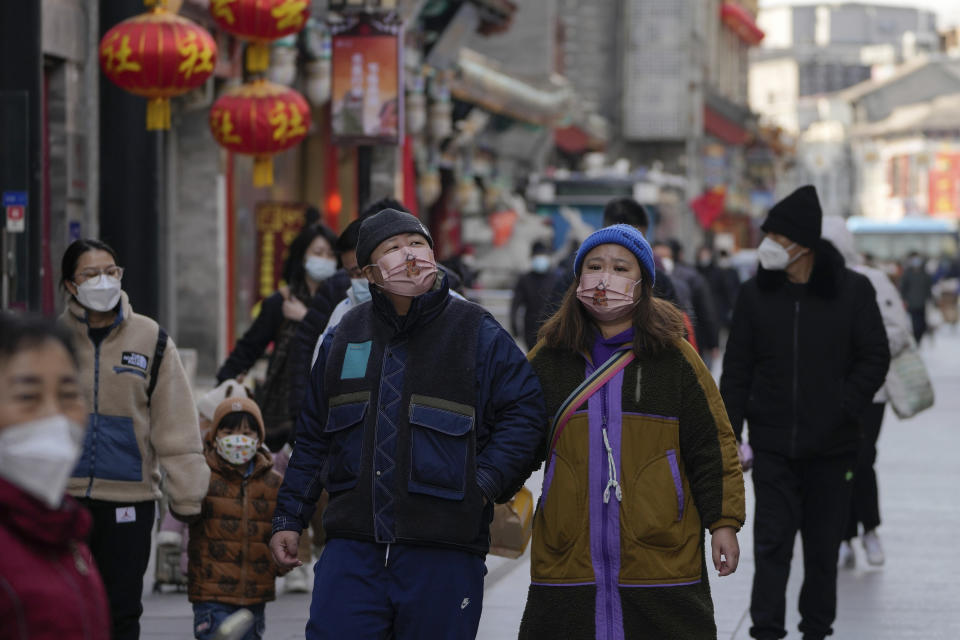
{"points": [[127, 440], [628, 560]]}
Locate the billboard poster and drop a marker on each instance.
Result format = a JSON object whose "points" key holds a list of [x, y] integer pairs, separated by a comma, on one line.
{"points": [[366, 92], [277, 224]]}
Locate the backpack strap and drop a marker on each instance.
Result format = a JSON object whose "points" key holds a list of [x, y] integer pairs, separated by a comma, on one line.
{"points": [[157, 359]]}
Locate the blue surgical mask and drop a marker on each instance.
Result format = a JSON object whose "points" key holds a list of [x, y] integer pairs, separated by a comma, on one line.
{"points": [[319, 269], [540, 263], [360, 288]]}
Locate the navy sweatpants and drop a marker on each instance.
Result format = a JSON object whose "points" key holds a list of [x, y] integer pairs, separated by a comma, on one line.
{"points": [[371, 591]]}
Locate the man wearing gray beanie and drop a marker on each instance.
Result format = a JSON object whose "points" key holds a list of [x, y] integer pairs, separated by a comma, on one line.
{"points": [[806, 354], [422, 413]]}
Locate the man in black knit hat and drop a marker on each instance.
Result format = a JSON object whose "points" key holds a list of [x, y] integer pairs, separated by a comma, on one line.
{"points": [[420, 414], [807, 351]]}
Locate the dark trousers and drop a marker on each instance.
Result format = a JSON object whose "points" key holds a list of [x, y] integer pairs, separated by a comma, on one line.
{"points": [[919, 319], [865, 504], [122, 552], [811, 496], [363, 590]]}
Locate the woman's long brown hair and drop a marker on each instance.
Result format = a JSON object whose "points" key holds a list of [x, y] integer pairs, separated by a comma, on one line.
{"points": [[657, 324]]}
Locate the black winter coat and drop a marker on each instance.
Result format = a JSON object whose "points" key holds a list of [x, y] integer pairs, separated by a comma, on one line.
{"points": [[804, 360], [532, 294], [328, 296]]}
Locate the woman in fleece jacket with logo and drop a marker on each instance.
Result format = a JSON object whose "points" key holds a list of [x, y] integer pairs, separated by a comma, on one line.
{"points": [[142, 418]]}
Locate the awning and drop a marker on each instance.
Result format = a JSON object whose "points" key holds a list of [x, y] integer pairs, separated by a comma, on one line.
{"points": [[579, 137], [741, 22], [479, 81], [715, 124]]}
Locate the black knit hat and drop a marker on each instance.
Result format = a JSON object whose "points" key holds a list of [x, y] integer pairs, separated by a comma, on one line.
{"points": [[383, 225], [798, 217]]}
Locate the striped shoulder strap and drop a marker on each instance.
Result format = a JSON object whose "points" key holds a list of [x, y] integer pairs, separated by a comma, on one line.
{"points": [[594, 382]]}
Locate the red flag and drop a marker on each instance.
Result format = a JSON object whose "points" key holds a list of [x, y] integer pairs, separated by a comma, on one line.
{"points": [[709, 206]]}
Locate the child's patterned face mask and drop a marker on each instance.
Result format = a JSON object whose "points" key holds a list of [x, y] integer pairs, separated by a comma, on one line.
{"points": [[237, 448]]}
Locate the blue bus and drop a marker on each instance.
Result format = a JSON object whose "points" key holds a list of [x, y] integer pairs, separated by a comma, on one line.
{"points": [[893, 241]]}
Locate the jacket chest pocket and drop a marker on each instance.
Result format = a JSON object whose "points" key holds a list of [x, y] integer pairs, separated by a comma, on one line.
{"points": [[440, 443], [345, 429]]}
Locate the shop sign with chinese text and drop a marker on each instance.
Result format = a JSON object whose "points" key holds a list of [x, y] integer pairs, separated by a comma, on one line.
{"points": [[277, 224]]}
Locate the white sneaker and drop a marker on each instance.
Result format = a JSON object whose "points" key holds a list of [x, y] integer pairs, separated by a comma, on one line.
{"points": [[848, 558], [871, 544], [298, 580]]}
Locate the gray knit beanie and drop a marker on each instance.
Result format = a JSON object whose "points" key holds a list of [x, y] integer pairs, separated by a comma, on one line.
{"points": [[383, 225]]}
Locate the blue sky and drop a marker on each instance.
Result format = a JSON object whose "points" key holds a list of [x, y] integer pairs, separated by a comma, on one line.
{"points": [[947, 10]]}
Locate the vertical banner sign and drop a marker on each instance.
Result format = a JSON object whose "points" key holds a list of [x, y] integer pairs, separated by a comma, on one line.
{"points": [[944, 179], [277, 225], [366, 92]]}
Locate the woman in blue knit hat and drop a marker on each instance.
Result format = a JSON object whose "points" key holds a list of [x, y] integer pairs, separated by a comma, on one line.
{"points": [[640, 461]]}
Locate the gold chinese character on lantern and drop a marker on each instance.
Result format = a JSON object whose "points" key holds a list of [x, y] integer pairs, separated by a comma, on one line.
{"points": [[222, 9], [224, 127], [118, 59], [287, 123], [196, 56], [289, 14]]}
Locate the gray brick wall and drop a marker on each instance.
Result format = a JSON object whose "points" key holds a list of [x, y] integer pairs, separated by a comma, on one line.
{"points": [[194, 233]]}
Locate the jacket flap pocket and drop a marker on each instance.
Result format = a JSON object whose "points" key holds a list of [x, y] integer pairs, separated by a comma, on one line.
{"points": [[345, 415], [442, 420]]}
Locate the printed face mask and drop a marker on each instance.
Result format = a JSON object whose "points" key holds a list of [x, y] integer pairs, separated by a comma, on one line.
{"points": [[408, 271], [360, 288], [237, 448], [319, 269], [773, 256], [606, 296], [99, 294], [39, 456]]}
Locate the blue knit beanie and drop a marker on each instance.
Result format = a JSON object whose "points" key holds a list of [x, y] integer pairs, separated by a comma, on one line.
{"points": [[625, 236]]}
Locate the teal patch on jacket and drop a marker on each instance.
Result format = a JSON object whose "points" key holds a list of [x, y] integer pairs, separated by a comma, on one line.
{"points": [[355, 360]]}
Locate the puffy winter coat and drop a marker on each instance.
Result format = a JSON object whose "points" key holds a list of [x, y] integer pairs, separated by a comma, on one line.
{"points": [[49, 585], [229, 548], [804, 360], [896, 322]]}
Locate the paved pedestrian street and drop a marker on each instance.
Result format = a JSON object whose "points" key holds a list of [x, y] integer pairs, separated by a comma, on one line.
{"points": [[915, 595]]}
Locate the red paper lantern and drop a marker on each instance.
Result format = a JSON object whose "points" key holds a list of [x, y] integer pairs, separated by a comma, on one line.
{"points": [[158, 55], [260, 119], [259, 22]]}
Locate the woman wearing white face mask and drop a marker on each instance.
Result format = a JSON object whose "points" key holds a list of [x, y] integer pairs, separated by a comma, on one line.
{"points": [[311, 261], [640, 460], [45, 563], [141, 420]]}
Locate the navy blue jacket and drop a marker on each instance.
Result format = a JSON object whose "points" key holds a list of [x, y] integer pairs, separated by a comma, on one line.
{"points": [[508, 427]]}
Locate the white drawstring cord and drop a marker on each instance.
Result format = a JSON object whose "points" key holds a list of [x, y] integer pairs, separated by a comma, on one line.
{"points": [[611, 472]]}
